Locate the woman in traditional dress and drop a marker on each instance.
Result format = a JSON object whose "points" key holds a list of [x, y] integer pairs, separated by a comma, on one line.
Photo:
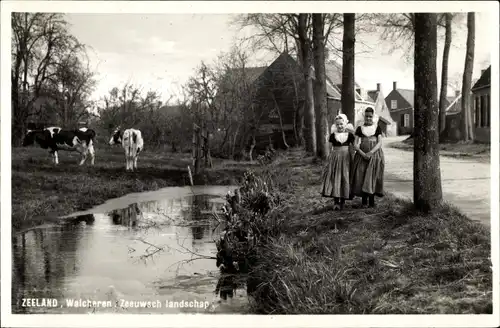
{"points": [[367, 169], [335, 181]]}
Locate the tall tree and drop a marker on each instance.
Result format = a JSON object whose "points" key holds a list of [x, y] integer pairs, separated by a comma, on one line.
{"points": [[306, 59], [348, 95], [427, 192], [40, 42], [318, 21], [444, 72], [467, 132]]}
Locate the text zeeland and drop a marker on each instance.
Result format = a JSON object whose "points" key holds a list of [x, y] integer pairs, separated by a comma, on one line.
{"points": [[39, 302]]}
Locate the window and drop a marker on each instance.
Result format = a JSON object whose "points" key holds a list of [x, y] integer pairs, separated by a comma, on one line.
{"points": [[406, 120], [483, 112], [477, 115], [479, 110], [488, 110], [394, 104]]}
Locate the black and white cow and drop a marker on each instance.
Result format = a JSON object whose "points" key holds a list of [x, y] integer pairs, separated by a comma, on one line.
{"points": [[132, 142], [55, 139]]}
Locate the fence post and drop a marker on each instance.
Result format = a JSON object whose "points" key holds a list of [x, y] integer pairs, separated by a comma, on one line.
{"points": [[196, 148]]}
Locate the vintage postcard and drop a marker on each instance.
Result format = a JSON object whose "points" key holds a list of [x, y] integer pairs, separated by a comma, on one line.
{"points": [[249, 163]]}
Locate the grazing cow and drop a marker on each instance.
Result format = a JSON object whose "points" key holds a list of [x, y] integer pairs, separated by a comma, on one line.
{"points": [[55, 139], [132, 142]]}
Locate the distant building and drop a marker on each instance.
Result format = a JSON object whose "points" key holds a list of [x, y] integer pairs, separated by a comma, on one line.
{"points": [[452, 129], [401, 106], [481, 91], [481, 112], [333, 91]]}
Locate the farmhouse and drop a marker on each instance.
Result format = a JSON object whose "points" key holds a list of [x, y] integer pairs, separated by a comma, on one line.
{"points": [[280, 92]]}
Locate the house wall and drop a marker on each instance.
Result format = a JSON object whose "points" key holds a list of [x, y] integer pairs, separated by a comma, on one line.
{"points": [[401, 102], [403, 107], [482, 116], [334, 108], [397, 117], [452, 129], [391, 130]]}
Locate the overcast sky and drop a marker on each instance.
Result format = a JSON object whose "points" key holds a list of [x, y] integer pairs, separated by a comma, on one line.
{"points": [[160, 51]]}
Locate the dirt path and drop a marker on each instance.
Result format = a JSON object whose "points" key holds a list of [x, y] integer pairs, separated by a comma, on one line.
{"points": [[466, 183]]}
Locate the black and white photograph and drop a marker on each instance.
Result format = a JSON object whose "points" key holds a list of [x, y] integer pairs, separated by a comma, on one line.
{"points": [[250, 163]]}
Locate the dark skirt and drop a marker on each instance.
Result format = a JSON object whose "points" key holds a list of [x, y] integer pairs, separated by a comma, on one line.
{"points": [[335, 182], [367, 176]]}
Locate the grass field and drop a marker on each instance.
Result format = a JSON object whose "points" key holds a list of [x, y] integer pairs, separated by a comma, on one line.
{"points": [[42, 191], [383, 260], [477, 151]]}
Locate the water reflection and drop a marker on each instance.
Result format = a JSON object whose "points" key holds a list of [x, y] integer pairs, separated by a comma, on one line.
{"points": [[42, 258], [126, 216], [96, 256], [198, 232]]}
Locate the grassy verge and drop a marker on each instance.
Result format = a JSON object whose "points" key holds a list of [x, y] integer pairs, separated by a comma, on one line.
{"points": [[386, 260], [42, 191], [476, 151]]}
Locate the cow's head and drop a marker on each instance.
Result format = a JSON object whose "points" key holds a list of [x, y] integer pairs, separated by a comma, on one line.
{"points": [[29, 138], [116, 137]]}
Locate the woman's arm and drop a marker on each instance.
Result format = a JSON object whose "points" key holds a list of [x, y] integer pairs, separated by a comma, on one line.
{"points": [[355, 145], [377, 146]]}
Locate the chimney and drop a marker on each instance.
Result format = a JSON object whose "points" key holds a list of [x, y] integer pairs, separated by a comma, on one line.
{"points": [[394, 85], [378, 86], [457, 93]]}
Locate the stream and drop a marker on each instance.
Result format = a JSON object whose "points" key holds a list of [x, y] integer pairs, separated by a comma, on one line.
{"points": [[150, 252]]}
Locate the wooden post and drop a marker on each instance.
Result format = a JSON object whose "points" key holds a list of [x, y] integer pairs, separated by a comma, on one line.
{"points": [[206, 148], [193, 152], [208, 151], [196, 148], [190, 176]]}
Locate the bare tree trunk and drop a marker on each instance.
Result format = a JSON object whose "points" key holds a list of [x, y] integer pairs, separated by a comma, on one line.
{"points": [[283, 135], [297, 128], [309, 118], [444, 74], [427, 192], [320, 99], [235, 138], [252, 146], [348, 92], [467, 78]]}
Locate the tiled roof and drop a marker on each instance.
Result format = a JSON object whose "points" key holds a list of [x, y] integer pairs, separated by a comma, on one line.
{"points": [[334, 73], [373, 95], [484, 80], [408, 95]]}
